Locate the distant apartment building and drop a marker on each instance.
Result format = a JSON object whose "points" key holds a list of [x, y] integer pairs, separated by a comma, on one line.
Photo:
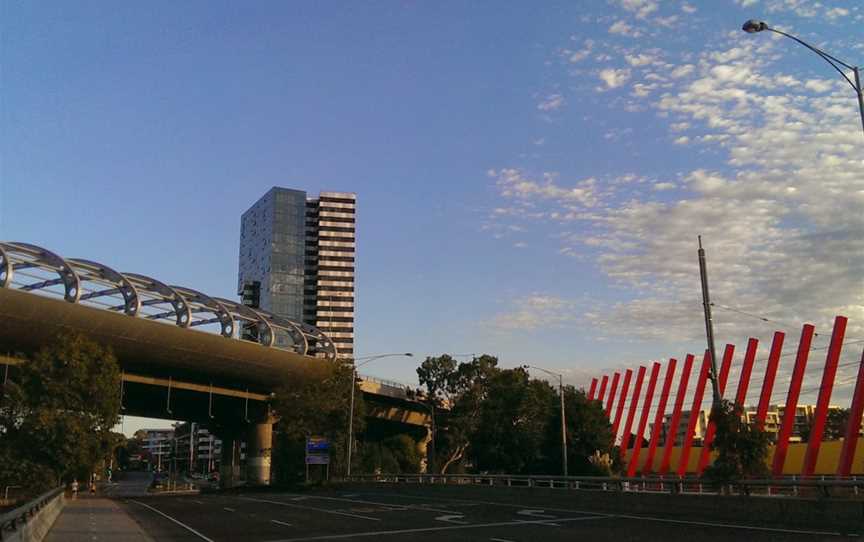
{"points": [[206, 449], [804, 416], [158, 445], [297, 260]]}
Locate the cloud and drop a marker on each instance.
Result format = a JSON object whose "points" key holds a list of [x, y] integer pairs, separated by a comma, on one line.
{"points": [[781, 218], [640, 8], [640, 59], [553, 102], [533, 312], [835, 13], [622, 28], [514, 183], [614, 78]]}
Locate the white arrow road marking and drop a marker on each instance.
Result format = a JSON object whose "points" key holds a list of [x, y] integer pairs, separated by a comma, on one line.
{"points": [[535, 514]]}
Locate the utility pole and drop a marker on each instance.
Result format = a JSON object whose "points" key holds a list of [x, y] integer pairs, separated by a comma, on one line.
{"points": [[709, 324]]}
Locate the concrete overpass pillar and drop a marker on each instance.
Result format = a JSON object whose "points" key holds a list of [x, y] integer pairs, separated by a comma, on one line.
{"points": [[229, 465], [259, 448]]}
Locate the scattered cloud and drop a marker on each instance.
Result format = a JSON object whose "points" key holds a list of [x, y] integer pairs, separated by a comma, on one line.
{"points": [[533, 312], [553, 102], [622, 28], [614, 78]]}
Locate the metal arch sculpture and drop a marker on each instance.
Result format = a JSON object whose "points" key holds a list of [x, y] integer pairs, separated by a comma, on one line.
{"points": [[7, 269], [165, 294], [45, 259], [121, 285], [222, 316], [139, 292]]}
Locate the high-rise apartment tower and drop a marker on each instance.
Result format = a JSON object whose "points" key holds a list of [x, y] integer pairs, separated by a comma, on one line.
{"points": [[297, 258]]}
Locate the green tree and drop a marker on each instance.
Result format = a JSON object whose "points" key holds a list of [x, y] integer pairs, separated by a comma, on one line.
{"points": [[588, 431], [315, 407], [58, 412], [741, 448], [514, 421], [458, 391]]}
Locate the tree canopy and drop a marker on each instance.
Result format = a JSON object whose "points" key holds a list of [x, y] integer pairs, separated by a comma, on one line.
{"points": [[57, 413], [500, 420]]}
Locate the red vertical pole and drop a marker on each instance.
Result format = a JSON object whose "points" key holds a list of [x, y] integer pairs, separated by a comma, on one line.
{"points": [[694, 414], [675, 421], [620, 410], [792, 400], [746, 370], [705, 456], [658, 417], [844, 466], [768, 382], [612, 391], [821, 414], [631, 413], [602, 392], [643, 420], [592, 389]]}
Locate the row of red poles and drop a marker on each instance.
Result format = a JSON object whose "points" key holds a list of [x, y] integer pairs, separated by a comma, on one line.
{"points": [[844, 465]]}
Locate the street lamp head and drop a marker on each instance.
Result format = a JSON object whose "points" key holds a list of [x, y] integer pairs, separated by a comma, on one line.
{"points": [[752, 26], [409, 354]]}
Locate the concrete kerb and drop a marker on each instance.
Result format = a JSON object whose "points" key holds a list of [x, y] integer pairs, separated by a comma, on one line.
{"points": [[37, 527], [840, 515]]}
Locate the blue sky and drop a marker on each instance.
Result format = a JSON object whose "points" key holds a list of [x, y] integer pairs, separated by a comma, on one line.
{"points": [[531, 176]]}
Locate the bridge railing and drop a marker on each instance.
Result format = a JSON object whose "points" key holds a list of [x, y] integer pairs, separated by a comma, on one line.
{"points": [[794, 486], [12, 521]]}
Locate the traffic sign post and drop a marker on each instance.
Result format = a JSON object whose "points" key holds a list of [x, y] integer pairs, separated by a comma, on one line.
{"points": [[318, 453]]}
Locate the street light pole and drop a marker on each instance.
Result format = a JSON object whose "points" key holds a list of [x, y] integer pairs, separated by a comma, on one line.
{"points": [[563, 420], [355, 366], [753, 26], [709, 324]]}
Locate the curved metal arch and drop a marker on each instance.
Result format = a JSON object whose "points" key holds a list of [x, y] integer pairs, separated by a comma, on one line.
{"points": [[226, 321], [323, 337], [68, 277], [7, 269], [288, 326], [181, 307], [123, 286], [265, 330]]}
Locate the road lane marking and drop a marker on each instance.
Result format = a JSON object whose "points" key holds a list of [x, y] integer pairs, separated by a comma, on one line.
{"points": [[324, 510], [517, 523], [376, 503], [535, 514], [197, 502], [452, 518], [229, 509], [180, 523], [500, 540], [277, 522], [453, 500], [729, 525]]}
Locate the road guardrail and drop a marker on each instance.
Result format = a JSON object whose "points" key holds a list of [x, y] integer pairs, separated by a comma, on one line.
{"points": [[794, 486], [12, 521]]}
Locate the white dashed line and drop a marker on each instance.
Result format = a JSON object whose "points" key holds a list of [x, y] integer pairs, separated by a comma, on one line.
{"points": [[229, 509], [180, 523], [277, 522]]}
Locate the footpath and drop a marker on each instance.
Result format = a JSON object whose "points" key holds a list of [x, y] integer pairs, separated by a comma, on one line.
{"points": [[89, 519]]}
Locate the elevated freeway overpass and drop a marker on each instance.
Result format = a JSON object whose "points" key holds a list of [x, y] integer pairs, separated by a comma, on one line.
{"points": [[183, 354]]}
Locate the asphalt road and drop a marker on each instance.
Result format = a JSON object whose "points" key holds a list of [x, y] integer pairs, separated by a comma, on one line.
{"points": [[404, 513]]}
